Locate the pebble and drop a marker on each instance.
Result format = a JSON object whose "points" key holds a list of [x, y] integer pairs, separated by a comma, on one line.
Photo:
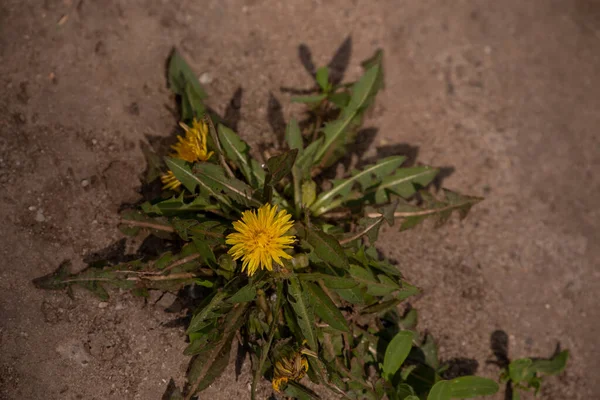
{"points": [[74, 351], [85, 183], [39, 216], [102, 304], [205, 78], [32, 208]]}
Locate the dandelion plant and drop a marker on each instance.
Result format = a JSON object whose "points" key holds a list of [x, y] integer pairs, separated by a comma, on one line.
{"points": [[280, 250]]}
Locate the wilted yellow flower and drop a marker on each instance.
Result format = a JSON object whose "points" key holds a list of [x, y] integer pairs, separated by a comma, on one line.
{"points": [[260, 238], [170, 181], [192, 147], [292, 366]]}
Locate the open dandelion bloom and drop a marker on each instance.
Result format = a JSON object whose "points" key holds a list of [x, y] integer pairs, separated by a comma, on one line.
{"points": [[192, 148], [292, 366], [260, 238]]}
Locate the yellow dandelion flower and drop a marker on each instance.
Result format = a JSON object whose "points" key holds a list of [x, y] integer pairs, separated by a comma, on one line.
{"points": [[192, 147], [170, 181], [260, 238], [291, 367]]}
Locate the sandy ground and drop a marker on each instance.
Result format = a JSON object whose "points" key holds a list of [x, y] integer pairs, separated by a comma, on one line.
{"points": [[507, 93]]}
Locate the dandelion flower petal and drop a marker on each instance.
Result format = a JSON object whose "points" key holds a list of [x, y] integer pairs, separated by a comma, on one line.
{"points": [[260, 238]]}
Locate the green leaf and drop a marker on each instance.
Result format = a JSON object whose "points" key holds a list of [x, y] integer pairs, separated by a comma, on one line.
{"points": [[432, 207], [519, 370], [411, 398], [325, 308], [364, 89], [354, 295], [160, 226], [266, 346], [195, 100], [56, 279], [322, 77], [125, 276], [304, 312], [376, 59], [306, 160], [309, 193], [406, 371], [376, 285], [368, 227], [327, 248], [154, 163], [553, 366], [245, 294], [310, 99], [404, 391], [300, 392], [281, 165], [380, 307], [467, 387], [180, 75], [210, 232], [207, 367], [293, 136], [340, 99], [404, 182], [331, 281], [236, 150], [212, 175], [342, 189], [176, 205], [258, 172], [440, 391], [429, 349], [410, 320], [183, 173], [396, 352], [199, 320], [362, 93]]}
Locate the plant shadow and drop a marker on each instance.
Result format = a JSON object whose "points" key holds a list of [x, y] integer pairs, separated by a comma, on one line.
{"points": [[338, 65], [499, 344]]}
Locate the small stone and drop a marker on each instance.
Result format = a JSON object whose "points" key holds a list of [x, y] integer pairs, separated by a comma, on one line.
{"points": [[487, 50], [205, 78], [119, 307], [547, 306], [74, 351], [85, 183], [32, 208], [94, 142], [102, 304], [39, 216], [166, 300]]}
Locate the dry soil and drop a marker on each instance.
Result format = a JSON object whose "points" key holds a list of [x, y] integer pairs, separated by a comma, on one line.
{"points": [[504, 94]]}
